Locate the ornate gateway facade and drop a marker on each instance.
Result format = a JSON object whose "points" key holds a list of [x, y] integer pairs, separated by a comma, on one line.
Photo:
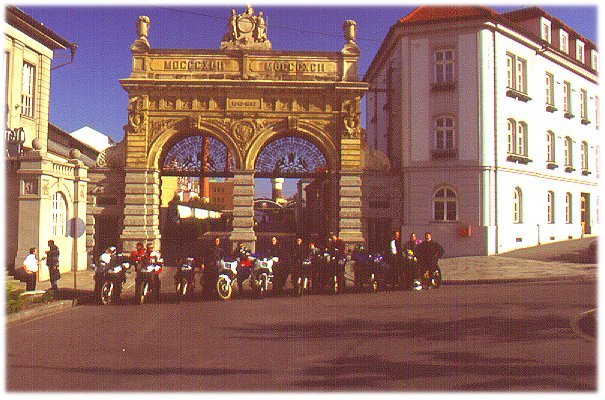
{"points": [[240, 112]]}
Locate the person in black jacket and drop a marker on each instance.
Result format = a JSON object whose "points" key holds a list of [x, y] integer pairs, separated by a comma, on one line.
{"points": [[299, 253], [336, 249], [428, 254], [52, 261], [280, 269]]}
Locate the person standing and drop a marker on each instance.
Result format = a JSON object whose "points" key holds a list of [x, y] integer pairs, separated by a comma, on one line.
{"points": [[299, 253], [336, 249], [31, 266], [395, 258], [428, 254], [408, 253], [52, 261], [280, 269]]}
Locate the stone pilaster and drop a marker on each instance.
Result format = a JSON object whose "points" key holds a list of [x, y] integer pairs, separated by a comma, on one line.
{"points": [[78, 223], [141, 208], [243, 208], [349, 225]]}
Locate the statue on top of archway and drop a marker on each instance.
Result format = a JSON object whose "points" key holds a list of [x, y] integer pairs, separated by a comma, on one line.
{"points": [[246, 30]]}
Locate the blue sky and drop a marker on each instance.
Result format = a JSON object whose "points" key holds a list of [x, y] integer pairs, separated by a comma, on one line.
{"points": [[87, 92]]}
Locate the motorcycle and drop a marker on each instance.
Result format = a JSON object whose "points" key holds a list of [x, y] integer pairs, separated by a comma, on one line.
{"points": [[365, 270], [227, 275], [430, 279], [335, 265], [109, 279], [262, 274], [244, 268], [185, 279], [302, 280], [148, 282]]}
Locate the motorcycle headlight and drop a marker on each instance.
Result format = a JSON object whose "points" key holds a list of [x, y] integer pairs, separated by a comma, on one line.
{"points": [[117, 269], [275, 259]]}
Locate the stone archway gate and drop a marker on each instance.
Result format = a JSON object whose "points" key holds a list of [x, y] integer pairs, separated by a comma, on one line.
{"points": [[245, 95]]}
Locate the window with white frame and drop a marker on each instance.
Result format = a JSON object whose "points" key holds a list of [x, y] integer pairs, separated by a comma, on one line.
{"points": [[584, 151], [580, 51], [550, 207], [445, 131], [58, 214], [517, 202], [516, 133], [546, 30], [27, 89], [550, 146], [516, 72], [568, 209], [444, 66], [550, 89], [567, 151], [594, 60], [564, 41], [445, 204], [567, 97], [583, 103]]}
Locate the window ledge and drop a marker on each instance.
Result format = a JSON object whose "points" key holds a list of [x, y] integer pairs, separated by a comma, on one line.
{"points": [[444, 86], [585, 121], [551, 109], [569, 115], [586, 172], [518, 95], [569, 168], [551, 165], [517, 158], [444, 153]]}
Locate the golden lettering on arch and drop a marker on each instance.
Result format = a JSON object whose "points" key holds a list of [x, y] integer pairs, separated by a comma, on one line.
{"points": [[243, 104], [292, 66], [194, 64]]}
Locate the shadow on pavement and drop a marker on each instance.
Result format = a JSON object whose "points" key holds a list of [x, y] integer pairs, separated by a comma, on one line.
{"points": [[363, 372], [497, 328]]}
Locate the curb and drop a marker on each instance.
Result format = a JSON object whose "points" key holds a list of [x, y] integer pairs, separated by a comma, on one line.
{"points": [[38, 311], [518, 280]]}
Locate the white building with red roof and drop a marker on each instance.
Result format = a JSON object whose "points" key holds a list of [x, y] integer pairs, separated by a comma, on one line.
{"points": [[490, 122]]}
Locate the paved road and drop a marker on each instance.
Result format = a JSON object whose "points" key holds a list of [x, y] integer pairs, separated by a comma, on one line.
{"points": [[458, 338]]}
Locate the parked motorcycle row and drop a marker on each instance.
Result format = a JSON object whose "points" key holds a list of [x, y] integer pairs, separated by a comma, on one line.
{"points": [[320, 273]]}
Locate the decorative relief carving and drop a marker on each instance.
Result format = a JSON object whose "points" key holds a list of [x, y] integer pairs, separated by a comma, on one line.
{"points": [[30, 186], [351, 119], [137, 115], [45, 187], [292, 123], [160, 125], [246, 30], [82, 192], [243, 131]]}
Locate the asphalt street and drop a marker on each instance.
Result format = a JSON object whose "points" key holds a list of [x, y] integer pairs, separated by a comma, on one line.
{"points": [[495, 337]]}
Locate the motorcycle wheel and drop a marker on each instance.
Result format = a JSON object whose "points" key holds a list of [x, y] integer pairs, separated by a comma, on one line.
{"points": [[374, 283], [223, 288], [179, 292], [299, 287], [436, 279], [262, 288], [117, 293], [144, 293], [335, 287], [305, 286], [106, 292]]}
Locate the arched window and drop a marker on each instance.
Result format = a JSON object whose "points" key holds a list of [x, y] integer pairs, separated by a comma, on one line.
{"points": [[568, 208], [517, 203], [584, 150], [445, 131], [521, 139], [445, 204], [58, 214], [567, 151], [511, 127], [550, 146], [550, 207]]}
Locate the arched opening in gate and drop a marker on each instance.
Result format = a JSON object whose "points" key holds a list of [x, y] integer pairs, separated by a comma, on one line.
{"points": [[196, 194], [293, 192]]}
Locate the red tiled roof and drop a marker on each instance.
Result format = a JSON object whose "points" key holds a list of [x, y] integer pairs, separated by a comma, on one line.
{"points": [[425, 14]]}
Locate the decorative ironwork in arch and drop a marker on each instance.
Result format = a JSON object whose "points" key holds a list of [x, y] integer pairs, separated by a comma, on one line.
{"points": [[290, 156], [198, 155]]}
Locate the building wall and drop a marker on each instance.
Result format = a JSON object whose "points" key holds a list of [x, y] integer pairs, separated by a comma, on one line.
{"points": [[481, 174]]}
